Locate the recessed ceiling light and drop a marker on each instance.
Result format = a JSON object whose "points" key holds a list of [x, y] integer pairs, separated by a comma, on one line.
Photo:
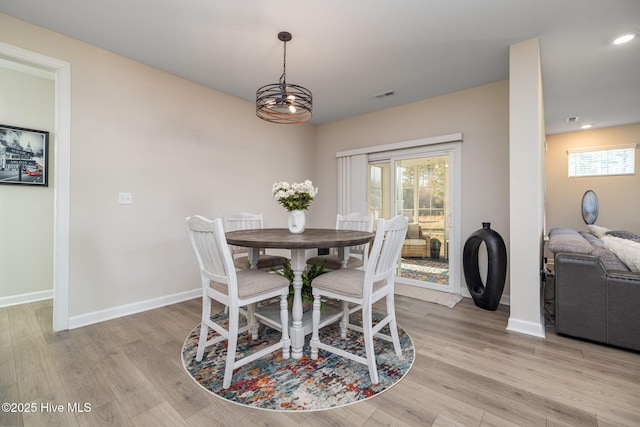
{"points": [[624, 38], [586, 126]]}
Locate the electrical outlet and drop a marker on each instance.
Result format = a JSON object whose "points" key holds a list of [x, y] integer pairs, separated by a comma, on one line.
{"points": [[125, 198]]}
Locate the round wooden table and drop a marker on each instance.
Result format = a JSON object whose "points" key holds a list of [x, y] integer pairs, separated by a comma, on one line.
{"points": [[281, 238]]}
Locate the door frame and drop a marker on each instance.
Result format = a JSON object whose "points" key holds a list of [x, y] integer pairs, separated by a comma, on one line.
{"points": [[352, 187], [61, 168], [452, 222]]}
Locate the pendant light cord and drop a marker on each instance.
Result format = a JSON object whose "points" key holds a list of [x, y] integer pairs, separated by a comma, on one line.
{"points": [[283, 77]]}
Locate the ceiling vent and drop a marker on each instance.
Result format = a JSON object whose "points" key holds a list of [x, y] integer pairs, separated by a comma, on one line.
{"points": [[384, 94], [572, 119]]}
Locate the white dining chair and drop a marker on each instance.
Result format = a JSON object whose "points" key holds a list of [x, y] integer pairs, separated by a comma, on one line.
{"points": [[235, 289], [363, 288], [247, 221], [352, 221]]}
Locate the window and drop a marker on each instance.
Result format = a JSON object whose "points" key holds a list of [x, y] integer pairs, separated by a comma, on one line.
{"points": [[602, 161]]}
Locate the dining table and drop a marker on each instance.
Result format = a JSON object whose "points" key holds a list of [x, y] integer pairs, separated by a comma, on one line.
{"points": [[298, 244]]}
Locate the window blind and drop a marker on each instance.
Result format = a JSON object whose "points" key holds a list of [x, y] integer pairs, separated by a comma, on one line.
{"points": [[619, 160]]}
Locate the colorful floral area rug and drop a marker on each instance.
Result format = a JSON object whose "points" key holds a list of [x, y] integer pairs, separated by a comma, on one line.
{"points": [[272, 383], [426, 270]]}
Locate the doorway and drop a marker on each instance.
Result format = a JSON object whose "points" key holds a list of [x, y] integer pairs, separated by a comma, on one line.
{"points": [[419, 184], [61, 168]]}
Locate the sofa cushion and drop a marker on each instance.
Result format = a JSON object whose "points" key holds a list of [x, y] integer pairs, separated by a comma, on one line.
{"points": [[627, 250], [415, 242], [609, 259], [597, 231], [562, 230], [413, 231], [568, 240], [624, 235], [595, 242]]}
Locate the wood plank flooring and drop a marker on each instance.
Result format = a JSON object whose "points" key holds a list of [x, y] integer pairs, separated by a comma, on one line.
{"points": [[469, 371]]}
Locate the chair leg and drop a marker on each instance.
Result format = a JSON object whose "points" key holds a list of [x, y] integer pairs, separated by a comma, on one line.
{"points": [[251, 321], [393, 326], [345, 320], [367, 328], [284, 321], [204, 329], [232, 344], [315, 336]]}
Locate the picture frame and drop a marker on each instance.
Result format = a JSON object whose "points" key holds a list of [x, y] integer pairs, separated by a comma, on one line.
{"points": [[24, 156]]}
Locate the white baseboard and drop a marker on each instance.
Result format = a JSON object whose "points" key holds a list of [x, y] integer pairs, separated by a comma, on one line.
{"points": [[26, 298], [125, 310], [526, 327]]}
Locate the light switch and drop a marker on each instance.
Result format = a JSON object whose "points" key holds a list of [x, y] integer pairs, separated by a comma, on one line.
{"points": [[125, 198]]}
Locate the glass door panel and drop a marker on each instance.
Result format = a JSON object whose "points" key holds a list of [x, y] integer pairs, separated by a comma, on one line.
{"points": [[421, 193], [422, 197], [379, 190]]}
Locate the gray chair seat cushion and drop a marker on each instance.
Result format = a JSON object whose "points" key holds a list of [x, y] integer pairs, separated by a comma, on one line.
{"points": [[347, 281], [332, 262], [254, 282], [265, 261]]}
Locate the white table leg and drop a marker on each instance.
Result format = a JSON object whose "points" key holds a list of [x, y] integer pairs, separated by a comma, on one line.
{"points": [[343, 256], [254, 256], [298, 264]]}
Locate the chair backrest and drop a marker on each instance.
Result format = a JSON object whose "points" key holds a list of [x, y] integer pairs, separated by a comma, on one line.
{"points": [[212, 251], [358, 222], [386, 249], [242, 221]]}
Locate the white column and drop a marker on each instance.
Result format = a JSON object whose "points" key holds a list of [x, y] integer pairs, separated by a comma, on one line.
{"points": [[526, 191]]}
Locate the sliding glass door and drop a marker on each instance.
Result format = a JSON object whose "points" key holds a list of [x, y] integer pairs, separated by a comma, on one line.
{"points": [[417, 185]]}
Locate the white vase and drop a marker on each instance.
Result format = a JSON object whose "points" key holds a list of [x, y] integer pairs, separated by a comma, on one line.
{"points": [[297, 222]]}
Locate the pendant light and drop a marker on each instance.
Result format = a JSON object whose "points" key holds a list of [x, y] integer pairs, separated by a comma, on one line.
{"points": [[283, 102]]}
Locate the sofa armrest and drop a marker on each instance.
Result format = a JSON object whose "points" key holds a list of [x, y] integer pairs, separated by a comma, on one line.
{"points": [[580, 296], [623, 315]]}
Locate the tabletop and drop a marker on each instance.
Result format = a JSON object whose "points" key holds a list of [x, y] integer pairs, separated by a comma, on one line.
{"points": [[311, 238]]}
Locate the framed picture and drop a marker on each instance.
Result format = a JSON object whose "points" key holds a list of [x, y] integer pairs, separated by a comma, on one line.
{"points": [[24, 156]]}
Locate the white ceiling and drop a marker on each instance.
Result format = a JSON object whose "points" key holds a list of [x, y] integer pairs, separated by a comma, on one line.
{"points": [[347, 51]]}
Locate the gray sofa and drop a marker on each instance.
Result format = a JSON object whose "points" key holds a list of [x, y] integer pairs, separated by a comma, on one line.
{"points": [[597, 297]]}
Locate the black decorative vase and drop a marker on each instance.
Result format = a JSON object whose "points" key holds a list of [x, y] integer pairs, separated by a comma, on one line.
{"points": [[485, 296]]}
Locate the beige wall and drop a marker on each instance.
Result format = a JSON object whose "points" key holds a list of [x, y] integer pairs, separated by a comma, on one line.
{"points": [[481, 114], [618, 196], [26, 213], [180, 148], [183, 149]]}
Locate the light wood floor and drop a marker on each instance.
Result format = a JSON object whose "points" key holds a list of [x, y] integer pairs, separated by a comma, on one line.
{"points": [[469, 371]]}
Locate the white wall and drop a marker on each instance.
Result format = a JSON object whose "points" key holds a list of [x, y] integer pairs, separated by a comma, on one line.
{"points": [[481, 114], [180, 148], [26, 212], [526, 159]]}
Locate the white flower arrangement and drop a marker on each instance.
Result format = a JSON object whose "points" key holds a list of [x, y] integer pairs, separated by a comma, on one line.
{"points": [[296, 196]]}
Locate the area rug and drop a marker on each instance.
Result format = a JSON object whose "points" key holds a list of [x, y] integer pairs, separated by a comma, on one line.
{"points": [[430, 295], [426, 270], [272, 383]]}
